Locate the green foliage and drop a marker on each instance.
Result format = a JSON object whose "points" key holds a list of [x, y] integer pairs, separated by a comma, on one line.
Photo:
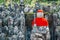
{"points": [[27, 1], [52, 0], [30, 1], [1, 1]]}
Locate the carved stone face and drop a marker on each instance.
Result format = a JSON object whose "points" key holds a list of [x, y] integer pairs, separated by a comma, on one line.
{"points": [[0, 22], [3, 14], [40, 14], [14, 37], [10, 20]]}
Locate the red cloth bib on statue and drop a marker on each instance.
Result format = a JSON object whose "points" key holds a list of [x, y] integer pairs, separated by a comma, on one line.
{"points": [[40, 22]]}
